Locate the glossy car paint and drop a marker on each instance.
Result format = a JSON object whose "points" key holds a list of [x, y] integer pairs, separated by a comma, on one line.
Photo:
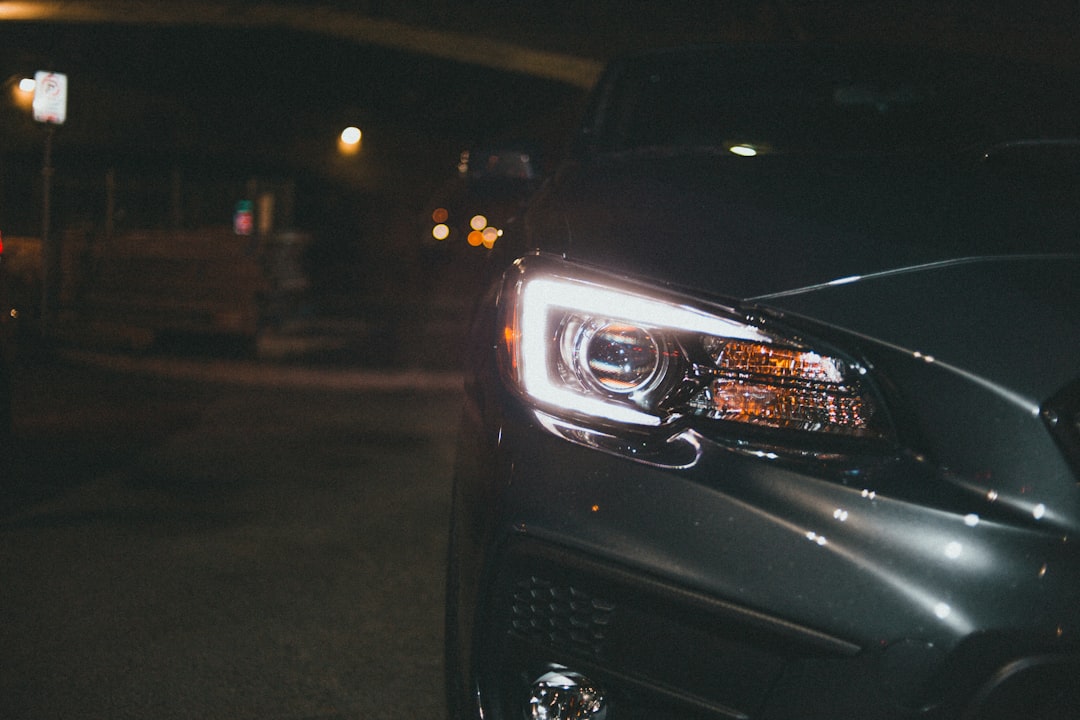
{"points": [[929, 574]]}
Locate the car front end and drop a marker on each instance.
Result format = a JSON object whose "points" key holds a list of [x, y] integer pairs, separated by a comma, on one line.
{"points": [[795, 439], [784, 529]]}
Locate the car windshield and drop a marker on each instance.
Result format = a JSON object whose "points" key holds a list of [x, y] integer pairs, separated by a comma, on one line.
{"points": [[829, 101]]}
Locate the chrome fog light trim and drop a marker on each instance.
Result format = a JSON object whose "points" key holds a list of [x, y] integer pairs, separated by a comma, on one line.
{"points": [[561, 694]]}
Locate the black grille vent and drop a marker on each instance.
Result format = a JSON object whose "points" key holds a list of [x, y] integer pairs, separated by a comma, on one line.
{"points": [[560, 616]]}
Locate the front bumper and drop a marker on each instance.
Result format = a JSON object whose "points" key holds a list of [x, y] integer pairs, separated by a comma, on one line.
{"points": [[750, 587], [659, 650]]}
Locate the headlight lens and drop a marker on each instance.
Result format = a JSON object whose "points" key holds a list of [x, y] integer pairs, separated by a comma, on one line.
{"points": [[608, 357], [581, 344]]}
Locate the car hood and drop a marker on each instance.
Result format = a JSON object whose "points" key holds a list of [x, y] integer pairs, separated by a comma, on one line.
{"points": [[922, 255], [1010, 321]]}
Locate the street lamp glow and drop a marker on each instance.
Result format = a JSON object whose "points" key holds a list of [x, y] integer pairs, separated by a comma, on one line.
{"points": [[28, 11], [351, 135], [349, 141], [22, 93]]}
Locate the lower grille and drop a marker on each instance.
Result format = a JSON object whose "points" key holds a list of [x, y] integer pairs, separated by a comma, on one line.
{"points": [[560, 616], [659, 650]]}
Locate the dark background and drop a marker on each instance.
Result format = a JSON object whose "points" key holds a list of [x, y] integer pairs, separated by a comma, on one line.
{"points": [[215, 535], [224, 92]]}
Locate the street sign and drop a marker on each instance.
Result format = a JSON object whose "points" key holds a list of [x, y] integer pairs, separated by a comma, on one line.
{"points": [[50, 97]]}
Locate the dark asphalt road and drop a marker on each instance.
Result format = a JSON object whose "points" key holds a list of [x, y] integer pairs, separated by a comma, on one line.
{"points": [[172, 546]]}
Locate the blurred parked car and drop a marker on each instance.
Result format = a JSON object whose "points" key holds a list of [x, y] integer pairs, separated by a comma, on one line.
{"points": [[773, 401], [472, 208]]}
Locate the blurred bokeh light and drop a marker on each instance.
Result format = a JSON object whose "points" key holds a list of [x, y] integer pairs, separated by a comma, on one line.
{"points": [[350, 140], [22, 93]]}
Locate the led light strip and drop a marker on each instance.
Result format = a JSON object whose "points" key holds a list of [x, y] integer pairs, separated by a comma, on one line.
{"points": [[540, 295]]}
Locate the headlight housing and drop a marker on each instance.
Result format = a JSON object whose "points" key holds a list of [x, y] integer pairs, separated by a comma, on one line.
{"points": [[601, 352]]}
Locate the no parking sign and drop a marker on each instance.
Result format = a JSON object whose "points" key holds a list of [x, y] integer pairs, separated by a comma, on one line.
{"points": [[50, 97]]}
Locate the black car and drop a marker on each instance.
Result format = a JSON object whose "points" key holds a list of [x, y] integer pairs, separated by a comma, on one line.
{"points": [[773, 401]]}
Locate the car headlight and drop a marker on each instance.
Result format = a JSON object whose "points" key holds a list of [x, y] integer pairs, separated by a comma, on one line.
{"points": [[588, 347]]}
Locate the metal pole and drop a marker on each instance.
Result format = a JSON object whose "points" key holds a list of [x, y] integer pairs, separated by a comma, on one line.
{"points": [[49, 251], [110, 202]]}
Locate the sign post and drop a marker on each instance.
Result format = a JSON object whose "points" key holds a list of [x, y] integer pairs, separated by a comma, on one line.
{"points": [[50, 109]]}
